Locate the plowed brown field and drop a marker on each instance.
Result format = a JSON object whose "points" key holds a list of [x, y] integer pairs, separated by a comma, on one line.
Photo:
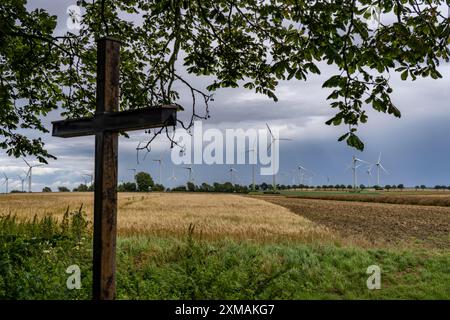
{"points": [[376, 223]]}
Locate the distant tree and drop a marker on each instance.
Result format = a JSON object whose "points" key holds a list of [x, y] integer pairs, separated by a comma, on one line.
{"points": [[423, 187], [91, 188], [191, 186], [401, 187], [362, 187], [264, 186], [127, 187], [81, 188], [63, 189], [241, 189], [206, 187], [349, 187], [144, 182], [228, 187], [46, 189], [388, 187], [179, 188], [158, 188]]}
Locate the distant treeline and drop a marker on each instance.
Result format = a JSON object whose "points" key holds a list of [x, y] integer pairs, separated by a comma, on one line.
{"points": [[144, 183]]}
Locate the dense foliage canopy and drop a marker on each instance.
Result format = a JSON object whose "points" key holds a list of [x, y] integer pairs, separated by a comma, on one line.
{"points": [[249, 43]]}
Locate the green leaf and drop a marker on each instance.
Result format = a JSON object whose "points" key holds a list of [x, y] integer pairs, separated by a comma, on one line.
{"points": [[354, 141], [404, 75]]}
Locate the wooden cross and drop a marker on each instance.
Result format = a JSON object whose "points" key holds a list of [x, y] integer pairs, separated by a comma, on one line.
{"points": [[105, 125]]}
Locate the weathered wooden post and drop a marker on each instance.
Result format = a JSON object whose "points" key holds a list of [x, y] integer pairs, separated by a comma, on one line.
{"points": [[105, 125], [106, 148]]}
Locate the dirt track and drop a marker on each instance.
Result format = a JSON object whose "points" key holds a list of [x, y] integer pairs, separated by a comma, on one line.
{"points": [[376, 223]]}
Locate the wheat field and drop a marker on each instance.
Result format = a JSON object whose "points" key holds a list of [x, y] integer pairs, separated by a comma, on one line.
{"points": [[215, 216]]}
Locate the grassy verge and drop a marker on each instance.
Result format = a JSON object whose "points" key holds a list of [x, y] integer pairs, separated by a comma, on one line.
{"points": [[35, 255]]}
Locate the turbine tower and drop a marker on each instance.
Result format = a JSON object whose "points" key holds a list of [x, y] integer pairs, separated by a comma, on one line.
{"points": [[253, 151], [189, 168], [232, 172], [91, 176], [369, 174], [6, 182], [22, 180], [30, 173], [160, 163], [134, 173], [273, 140], [173, 177], [301, 171], [379, 168], [356, 163]]}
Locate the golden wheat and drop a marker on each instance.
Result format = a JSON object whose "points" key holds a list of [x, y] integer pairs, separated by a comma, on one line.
{"points": [[215, 216]]}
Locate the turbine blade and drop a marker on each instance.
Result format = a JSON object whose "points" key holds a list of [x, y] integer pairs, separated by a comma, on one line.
{"points": [[26, 162], [381, 166], [270, 131]]}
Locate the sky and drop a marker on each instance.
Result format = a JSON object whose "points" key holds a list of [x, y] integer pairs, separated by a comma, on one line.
{"points": [[415, 149]]}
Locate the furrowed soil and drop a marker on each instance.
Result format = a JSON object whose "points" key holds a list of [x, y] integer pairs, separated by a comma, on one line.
{"points": [[376, 224], [407, 198]]}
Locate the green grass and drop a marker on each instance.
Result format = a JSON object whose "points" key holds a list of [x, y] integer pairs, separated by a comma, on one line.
{"points": [[35, 255]]}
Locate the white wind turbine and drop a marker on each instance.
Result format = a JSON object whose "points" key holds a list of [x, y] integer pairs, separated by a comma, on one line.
{"points": [[356, 163], [90, 176], [134, 173], [233, 172], [302, 172], [253, 151], [273, 140], [22, 180], [189, 168], [369, 175], [160, 163], [173, 177], [30, 173], [379, 168], [6, 182]]}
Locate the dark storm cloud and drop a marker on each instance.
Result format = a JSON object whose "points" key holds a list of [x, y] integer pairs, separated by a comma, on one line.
{"points": [[416, 148]]}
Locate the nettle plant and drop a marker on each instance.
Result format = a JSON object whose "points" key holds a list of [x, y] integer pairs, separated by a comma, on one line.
{"points": [[249, 43]]}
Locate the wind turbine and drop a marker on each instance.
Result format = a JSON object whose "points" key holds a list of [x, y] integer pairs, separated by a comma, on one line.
{"points": [[302, 170], [30, 173], [91, 176], [272, 142], [6, 182], [369, 174], [380, 166], [232, 172], [160, 162], [190, 173], [84, 179], [253, 151], [356, 163], [173, 177], [22, 180], [134, 175]]}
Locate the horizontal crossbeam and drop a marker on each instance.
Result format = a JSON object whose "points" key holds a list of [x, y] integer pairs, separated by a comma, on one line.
{"points": [[130, 120]]}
